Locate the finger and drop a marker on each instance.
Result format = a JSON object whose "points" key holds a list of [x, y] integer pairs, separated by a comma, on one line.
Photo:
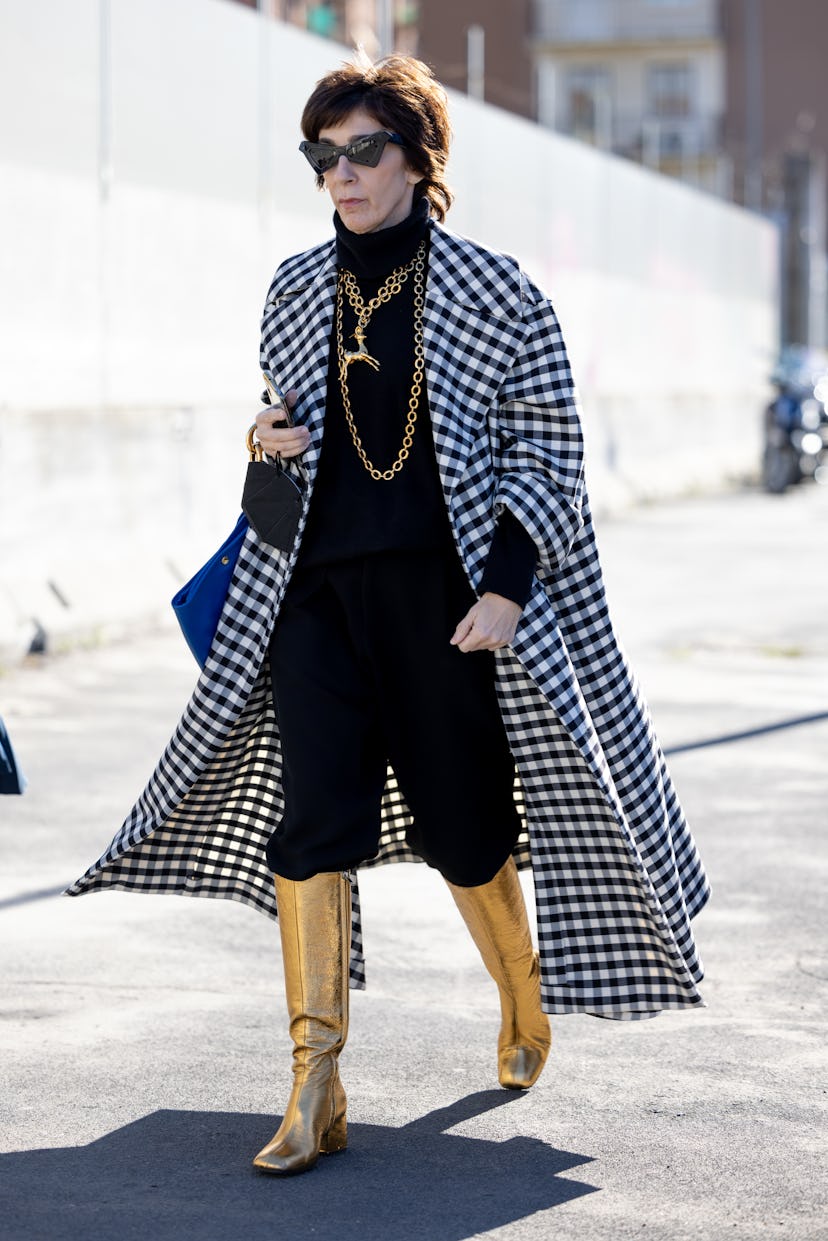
{"points": [[286, 434], [278, 415], [272, 433], [277, 428], [484, 636], [275, 445], [265, 417], [292, 448], [474, 642], [462, 631], [472, 638], [280, 412], [282, 445]]}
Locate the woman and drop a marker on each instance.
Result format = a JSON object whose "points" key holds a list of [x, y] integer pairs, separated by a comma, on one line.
{"points": [[431, 671]]}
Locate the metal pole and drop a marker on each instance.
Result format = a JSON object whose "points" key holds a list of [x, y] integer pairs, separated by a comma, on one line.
{"points": [[476, 62], [753, 104], [385, 26], [104, 192]]}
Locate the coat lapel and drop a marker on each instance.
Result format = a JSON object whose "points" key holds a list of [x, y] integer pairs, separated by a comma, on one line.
{"points": [[472, 330]]}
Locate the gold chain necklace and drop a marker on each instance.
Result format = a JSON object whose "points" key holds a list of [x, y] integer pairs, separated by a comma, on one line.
{"points": [[363, 312]]}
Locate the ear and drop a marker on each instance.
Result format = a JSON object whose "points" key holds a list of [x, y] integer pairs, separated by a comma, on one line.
{"points": [[412, 177]]}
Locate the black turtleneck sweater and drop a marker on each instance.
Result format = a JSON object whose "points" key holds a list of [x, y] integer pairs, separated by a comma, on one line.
{"points": [[351, 513]]}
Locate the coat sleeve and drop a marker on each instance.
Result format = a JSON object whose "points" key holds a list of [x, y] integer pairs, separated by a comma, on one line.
{"points": [[538, 443]]}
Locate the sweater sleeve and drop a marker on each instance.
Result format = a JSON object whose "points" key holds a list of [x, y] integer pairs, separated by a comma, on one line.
{"points": [[510, 565]]}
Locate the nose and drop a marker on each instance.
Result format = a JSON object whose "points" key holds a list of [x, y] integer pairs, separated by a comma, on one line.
{"points": [[344, 169]]}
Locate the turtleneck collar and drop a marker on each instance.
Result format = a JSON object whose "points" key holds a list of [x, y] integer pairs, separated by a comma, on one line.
{"points": [[371, 255]]}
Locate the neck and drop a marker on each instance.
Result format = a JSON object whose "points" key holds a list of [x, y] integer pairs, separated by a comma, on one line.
{"points": [[371, 255]]}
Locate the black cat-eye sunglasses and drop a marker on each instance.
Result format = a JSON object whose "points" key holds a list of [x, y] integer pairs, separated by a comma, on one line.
{"points": [[323, 156]]}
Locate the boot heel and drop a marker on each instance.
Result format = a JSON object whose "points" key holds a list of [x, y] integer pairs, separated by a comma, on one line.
{"points": [[336, 1138]]}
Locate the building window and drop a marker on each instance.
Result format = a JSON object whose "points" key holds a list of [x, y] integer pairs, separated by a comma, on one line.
{"points": [[589, 105], [670, 90]]}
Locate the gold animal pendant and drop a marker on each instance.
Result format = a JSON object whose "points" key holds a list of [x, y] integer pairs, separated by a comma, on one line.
{"points": [[360, 354]]}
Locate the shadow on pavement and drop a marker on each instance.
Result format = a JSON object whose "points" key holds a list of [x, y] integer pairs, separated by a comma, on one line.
{"points": [[748, 733], [26, 898], [173, 1175]]}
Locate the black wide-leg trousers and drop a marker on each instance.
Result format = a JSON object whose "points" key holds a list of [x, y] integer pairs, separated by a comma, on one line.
{"points": [[363, 674]]}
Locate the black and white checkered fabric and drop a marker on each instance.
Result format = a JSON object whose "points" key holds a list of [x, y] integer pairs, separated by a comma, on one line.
{"points": [[617, 877]]}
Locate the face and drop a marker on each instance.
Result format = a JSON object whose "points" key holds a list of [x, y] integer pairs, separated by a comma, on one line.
{"points": [[368, 199]]}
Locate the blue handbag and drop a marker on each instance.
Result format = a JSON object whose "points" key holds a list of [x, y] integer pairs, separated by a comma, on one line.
{"points": [[198, 604], [11, 777]]}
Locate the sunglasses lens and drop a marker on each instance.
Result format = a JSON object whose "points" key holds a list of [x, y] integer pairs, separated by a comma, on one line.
{"points": [[367, 151], [319, 155]]}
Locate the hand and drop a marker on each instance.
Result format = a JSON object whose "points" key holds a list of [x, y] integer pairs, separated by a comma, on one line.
{"points": [[277, 439], [489, 625]]}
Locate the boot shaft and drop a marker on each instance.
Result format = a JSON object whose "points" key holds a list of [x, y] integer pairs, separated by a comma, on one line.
{"points": [[315, 929]]}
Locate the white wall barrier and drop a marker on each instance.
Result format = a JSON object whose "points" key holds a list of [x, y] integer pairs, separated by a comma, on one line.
{"points": [[149, 184]]}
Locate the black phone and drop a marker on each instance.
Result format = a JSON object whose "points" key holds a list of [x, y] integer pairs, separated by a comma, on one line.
{"points": [[276, 396]]}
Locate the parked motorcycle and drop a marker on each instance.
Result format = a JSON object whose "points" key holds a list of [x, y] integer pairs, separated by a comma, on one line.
{"points": [[796, 422]]}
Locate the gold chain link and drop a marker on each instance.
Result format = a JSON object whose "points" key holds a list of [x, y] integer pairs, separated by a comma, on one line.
{"points": [[392, 285]]}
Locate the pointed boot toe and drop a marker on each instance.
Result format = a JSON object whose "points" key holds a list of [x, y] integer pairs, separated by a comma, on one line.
{"points": [[278, 1159], [520, 1067]]}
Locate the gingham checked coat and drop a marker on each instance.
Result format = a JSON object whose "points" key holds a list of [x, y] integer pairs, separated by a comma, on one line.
{"points": [[617, 876]]}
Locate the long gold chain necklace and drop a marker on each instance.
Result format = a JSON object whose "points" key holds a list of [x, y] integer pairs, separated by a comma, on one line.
{"points": [[363, 312], [393, 284]]}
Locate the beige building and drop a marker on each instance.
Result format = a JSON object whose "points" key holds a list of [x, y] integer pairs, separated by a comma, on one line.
{"points": [[642, 78]]}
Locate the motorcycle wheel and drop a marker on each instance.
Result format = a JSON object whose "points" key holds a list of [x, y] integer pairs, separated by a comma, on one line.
{"points": [[780, 468]]}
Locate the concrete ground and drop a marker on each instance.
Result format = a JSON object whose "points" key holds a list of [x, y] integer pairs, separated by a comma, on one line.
{"points": [[142, 1040]]}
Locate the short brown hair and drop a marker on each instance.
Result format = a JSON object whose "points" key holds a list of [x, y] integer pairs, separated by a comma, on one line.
{"points": [[406, 98]]}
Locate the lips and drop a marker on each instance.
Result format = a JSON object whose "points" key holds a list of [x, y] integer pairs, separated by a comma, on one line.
{"points": [[349, 203]]}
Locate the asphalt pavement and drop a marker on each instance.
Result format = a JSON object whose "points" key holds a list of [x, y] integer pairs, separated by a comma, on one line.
{"points": [[143, 1041]]}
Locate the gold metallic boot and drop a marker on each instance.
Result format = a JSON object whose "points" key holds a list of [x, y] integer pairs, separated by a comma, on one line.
{"points": [[315, 925], [495, 914]]}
